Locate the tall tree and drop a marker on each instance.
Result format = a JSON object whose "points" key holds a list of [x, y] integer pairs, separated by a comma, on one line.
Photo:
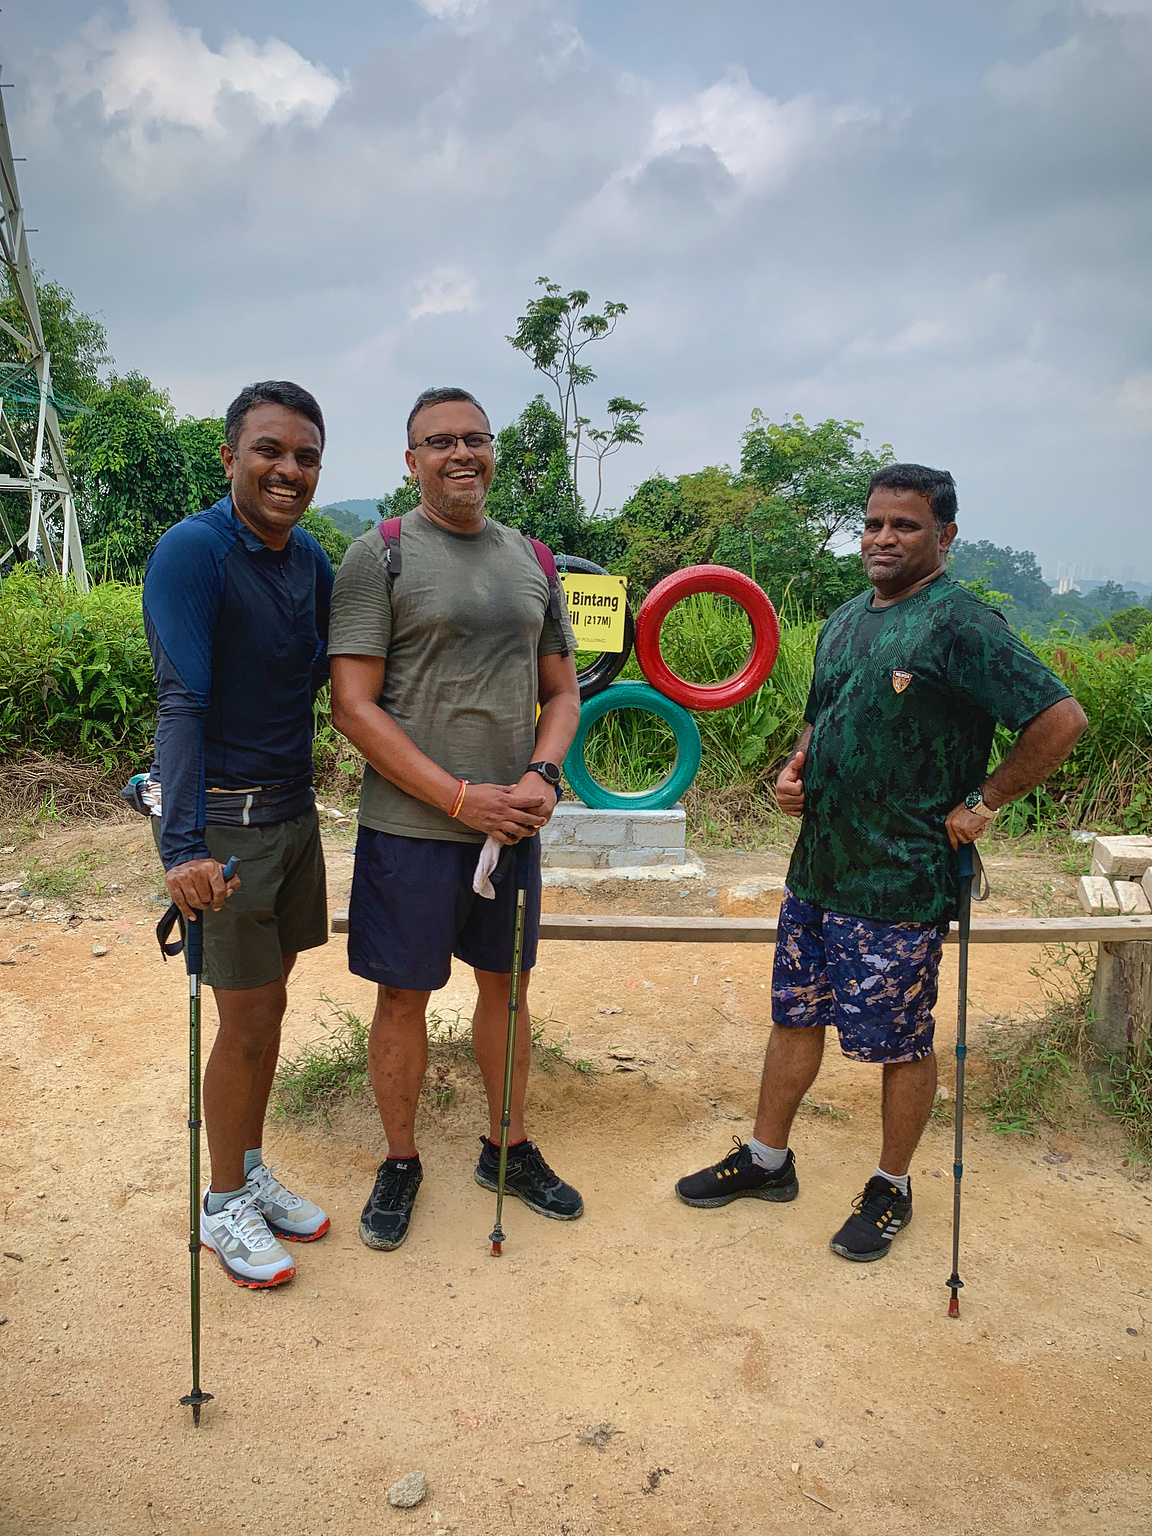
{"points": [[554, 334], [77, 341], [201, 438], [532, 488], [133, 475], [819, 471], [1015, 571]]}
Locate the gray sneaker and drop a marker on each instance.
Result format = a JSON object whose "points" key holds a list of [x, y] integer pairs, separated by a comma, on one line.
{"points": [[239, 1237], [289, 1216]]}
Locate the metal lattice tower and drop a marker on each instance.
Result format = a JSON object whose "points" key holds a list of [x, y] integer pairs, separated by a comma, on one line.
{"points": [[26, 391]]}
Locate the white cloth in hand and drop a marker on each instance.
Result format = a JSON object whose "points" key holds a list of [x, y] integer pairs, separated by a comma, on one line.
{"points": [[485, 864]]}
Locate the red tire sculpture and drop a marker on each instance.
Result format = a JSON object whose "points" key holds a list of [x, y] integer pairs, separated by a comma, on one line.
{"points": [[722, 581]]}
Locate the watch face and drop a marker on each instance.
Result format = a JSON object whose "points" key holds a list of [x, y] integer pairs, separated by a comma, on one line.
{"points": [[549, 771], [973, 800]]}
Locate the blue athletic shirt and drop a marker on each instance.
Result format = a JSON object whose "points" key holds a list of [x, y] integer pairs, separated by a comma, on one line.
{"points": [[238, 634]]}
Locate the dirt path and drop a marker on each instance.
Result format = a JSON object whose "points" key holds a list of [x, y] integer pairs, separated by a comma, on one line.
{"points": [[737, 1364]]}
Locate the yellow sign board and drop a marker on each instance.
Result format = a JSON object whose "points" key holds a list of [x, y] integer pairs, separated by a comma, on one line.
{"points": [[596, 606]]}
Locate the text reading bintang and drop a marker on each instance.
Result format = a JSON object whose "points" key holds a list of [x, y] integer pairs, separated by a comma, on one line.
{"points": [[593, 600]]}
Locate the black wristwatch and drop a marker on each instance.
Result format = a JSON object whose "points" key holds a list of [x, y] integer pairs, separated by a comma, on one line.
{"points": [[548, 771]]}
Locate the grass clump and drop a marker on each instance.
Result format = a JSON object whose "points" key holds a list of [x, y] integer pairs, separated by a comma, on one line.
{"points": [[321, 1075], [64, 881], [1038, 1072]]}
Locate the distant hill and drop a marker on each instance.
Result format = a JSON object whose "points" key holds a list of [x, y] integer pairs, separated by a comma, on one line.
{"points": [[353, 517]]}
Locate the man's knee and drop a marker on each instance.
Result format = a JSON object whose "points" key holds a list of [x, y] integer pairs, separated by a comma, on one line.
{"points": [[494, 985], [398, 1008], [252, 1025]]}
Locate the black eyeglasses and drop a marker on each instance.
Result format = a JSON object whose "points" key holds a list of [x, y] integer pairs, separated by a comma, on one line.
{"points": [[445, 442]]}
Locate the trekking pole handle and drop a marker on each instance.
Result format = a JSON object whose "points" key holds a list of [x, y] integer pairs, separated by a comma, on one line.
{"points": [[194, 932], [966, 862]]}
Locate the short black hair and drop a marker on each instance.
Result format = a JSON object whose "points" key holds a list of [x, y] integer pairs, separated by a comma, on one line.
{"points": [[935, 485], [439, 397], [271, 392]]}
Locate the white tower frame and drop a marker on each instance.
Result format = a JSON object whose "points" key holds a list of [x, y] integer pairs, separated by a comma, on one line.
{"points": [[46, 480]]}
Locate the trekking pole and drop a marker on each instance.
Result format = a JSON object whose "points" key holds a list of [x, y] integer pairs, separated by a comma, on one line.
{"points": [[968, 862], [521, 866], [192, 943]]}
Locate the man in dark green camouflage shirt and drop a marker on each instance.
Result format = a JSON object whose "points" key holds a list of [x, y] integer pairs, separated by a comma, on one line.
{"points": [[889, 777]]}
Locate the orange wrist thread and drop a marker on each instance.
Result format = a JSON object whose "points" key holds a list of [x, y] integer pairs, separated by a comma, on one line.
{"points": [[459, 801]]}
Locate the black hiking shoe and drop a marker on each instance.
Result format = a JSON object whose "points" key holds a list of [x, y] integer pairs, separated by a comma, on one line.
{"points": [[738, 1175], [530, 1179], [878, 1214], [384, 1221]]}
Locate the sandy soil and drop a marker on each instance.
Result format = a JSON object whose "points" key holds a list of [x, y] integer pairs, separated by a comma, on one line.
{"points": [[748, 1380]]}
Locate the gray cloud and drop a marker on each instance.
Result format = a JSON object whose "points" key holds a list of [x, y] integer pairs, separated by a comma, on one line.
{"points": [[959, 264]]}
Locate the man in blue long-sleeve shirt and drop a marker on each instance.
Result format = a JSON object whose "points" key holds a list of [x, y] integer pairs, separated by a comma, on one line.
{"points": [[236, 606]]}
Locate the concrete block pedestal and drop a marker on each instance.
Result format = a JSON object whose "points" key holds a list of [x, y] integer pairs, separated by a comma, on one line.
{"points": [[579, 837]]}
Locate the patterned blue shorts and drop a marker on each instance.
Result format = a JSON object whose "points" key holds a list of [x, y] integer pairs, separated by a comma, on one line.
{"points": [[877, 982]]}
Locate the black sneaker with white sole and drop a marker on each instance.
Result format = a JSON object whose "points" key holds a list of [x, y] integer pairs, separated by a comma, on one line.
{"points": [[737, 1176], [384, 1221], [530, 1179], [879, 1213]]}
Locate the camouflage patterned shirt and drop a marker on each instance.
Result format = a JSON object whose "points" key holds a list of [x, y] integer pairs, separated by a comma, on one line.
{"points": [[904, 703]]}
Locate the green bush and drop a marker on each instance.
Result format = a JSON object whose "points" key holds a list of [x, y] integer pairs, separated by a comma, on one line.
{"points": [[75, 671]]}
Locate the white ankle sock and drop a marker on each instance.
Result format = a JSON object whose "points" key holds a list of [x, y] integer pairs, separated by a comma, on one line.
{"points": [[252, 1159], [216, 1201], [771, 1159], [901, 1181]]}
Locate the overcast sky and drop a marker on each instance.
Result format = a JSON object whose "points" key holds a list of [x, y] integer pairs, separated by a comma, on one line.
{"points": [[930, 216]]}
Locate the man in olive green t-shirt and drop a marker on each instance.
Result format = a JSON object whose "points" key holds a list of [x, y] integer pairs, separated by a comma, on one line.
{"points": [[439, 660], [889, 776]]}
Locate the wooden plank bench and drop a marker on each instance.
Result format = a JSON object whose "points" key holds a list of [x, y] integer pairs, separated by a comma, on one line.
{"points": [[598, 929], [1121, 993]]}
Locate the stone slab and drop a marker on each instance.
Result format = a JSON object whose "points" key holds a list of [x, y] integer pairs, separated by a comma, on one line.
{"points": [[1131, 898], [1097, 896], [1124, 858]]}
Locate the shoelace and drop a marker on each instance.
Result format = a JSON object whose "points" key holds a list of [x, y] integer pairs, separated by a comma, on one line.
{"points": [[266, 1186], [389, 1184], [876, 1201], [734, 1156], [244, 1221], [531, 1160]]}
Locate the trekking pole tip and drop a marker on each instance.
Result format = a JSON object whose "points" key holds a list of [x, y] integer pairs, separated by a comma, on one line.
{"points": [[196, 1400], [496, 1238], [955, 1285]]}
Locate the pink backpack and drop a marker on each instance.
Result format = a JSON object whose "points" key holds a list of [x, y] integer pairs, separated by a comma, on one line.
{"points": [[390, 533]]}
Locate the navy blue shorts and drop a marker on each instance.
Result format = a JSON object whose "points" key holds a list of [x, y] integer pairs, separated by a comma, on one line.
{"points": [[413, 908], [877, 982]]}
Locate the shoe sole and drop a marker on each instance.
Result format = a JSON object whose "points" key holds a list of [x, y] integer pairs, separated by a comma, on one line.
{"points": [[281, 1277], [782, 1195], [539, 1209], [298, 1237], [870, 1258], [370, 1240]]}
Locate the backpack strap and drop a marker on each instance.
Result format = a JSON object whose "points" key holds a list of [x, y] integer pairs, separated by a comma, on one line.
{"points": [[547, 561], [390, 533]]}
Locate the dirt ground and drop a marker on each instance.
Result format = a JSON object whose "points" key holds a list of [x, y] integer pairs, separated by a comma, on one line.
{"points": [[650, 1368]]}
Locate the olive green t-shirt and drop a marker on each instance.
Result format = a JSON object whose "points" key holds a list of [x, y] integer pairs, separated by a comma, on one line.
{"points": [[461, 633], [903, 707]]}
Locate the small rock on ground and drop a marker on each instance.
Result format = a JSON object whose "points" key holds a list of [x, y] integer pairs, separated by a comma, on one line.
{"points": [[408, 1492], [99, 949]]}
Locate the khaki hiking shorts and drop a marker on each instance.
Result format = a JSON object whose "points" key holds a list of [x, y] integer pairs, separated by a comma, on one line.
{"points": [[280, 909]]}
